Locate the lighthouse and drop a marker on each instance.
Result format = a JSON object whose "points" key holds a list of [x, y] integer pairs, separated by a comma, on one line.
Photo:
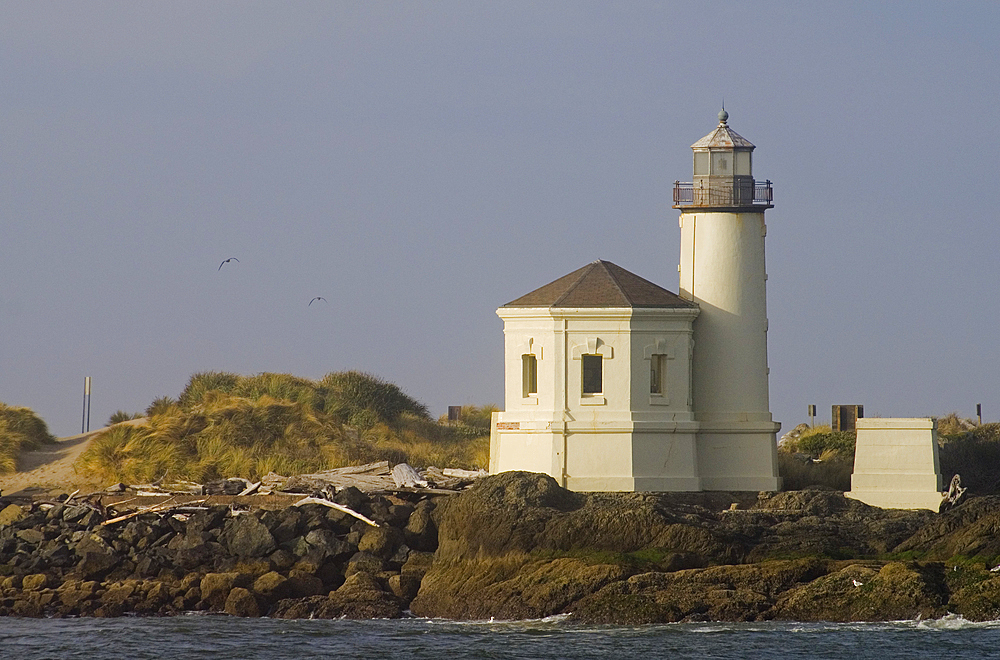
{"points": [[613, 383], [722, 270]]}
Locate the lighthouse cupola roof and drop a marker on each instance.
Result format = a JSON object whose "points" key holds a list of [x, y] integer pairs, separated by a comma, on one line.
{"points": [[723, 137]]}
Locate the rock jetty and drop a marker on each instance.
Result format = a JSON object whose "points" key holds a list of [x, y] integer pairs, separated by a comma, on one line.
{"points": [[296, 562], [513, 546]]}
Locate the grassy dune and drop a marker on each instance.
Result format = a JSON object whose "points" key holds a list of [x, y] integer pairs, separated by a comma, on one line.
{"points": [[227, 425]]}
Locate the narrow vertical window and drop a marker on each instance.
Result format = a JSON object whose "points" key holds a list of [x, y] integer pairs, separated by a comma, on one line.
{"points": [[529, 375], [593, 376], [656, 363]]}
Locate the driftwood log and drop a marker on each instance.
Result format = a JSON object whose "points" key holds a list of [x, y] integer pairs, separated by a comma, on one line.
{"points": [[405, 476], [339, 507], [159, 508]]}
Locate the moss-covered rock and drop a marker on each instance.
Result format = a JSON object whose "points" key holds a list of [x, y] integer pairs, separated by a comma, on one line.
{"points": [[860, 592], [509, 588], [719, 593]]}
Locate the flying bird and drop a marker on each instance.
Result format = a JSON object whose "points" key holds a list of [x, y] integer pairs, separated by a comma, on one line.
{"points": [[315, 299], [227, 261]]}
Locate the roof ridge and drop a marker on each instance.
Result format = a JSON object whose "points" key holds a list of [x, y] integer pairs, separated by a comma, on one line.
{"points": [[614, 278], [584, 272]]}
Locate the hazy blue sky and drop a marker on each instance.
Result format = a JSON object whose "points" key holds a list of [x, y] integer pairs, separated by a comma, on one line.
{"points": [[419, 164]]}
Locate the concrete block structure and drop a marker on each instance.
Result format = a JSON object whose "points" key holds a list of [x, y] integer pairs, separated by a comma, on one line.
{"points": [[614, 383], [896, 464]]}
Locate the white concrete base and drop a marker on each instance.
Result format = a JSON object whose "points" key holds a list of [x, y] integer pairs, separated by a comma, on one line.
{"points": [[585, 458], [628, 456], [633, 484], [896, 464], [903, 499], [739, 456]]}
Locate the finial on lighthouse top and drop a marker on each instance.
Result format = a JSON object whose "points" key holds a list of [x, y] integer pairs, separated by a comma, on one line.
{"points": [[723, 115]]}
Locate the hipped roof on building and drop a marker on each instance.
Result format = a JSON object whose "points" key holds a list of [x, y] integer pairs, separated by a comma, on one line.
{"points": [[723, 137], [601, 284]]}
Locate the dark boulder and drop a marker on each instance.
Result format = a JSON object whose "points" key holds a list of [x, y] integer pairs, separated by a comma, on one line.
{"points": [[246, 536]]}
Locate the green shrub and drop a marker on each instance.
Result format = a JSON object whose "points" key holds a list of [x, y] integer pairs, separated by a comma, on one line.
{"points": [[834, 443], [20, 429], [818, 458]]}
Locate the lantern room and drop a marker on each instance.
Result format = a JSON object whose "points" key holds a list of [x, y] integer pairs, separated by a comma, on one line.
{"points": [[722, 172]]}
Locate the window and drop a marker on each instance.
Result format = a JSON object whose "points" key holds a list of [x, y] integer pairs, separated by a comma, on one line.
{"points": [[656, 369], [593, 376], [743, 163], [701, 162], [529, 375], [721, 163]]}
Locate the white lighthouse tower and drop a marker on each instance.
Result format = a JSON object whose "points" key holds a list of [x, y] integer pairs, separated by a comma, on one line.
{"points": [[722, 270]]}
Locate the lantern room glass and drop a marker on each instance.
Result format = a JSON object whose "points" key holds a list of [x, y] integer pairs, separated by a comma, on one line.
{"points": [[743, 163], [722, 163]]}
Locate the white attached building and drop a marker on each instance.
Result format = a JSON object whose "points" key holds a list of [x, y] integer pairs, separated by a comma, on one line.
{"points": [[616, 384], [598, 384]]}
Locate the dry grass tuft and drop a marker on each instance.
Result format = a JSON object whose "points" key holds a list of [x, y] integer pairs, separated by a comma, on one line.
{"points": [[20, 429]]}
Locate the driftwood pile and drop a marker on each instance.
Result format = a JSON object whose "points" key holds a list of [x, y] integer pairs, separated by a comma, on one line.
{"points": [[372, 478], [376, 478], [320, 488]]}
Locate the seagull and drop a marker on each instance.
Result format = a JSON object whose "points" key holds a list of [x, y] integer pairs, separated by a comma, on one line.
{"points": [[227, 261], [315, 299], [857, 584]]}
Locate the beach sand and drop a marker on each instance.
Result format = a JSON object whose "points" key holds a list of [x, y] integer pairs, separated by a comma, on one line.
{"points": [[51, 468]]}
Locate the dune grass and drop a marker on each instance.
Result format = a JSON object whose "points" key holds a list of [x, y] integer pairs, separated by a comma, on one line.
{"points": [[227, 425], [422, 442], [20, 429], [820, 457], [120, 416]]}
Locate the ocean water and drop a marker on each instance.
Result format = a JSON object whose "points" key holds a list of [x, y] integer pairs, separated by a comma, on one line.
{"points": [[222, 637]]}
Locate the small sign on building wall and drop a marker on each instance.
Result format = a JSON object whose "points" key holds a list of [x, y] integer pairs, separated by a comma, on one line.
{"points": [[508, 426]]}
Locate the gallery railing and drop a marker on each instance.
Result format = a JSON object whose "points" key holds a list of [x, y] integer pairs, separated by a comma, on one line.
{"points": [[740, 193]]}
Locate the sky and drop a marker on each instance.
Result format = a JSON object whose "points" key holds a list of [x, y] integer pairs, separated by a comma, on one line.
{"points": [[419, 164]]}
